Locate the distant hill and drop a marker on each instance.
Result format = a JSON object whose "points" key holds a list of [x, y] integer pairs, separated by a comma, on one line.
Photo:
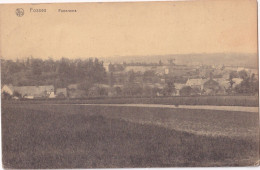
{"points": [[227, 59]]}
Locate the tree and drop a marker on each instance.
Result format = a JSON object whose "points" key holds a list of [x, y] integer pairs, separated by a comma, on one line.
{"points": [[97, 72], [147, 91], [37, 67], [243, 74], [232, 75], [118, 91], [112, 79], [156, 91], [254, 84], [132, 89], [85, 85], [249, 85], [111, 67], [131, 76], [195, 91], [149, 75], [186, 91], [17, 94], [160, 63], [102, 91], [46, 72], [6, 96], [171, 61], [169, 90]]}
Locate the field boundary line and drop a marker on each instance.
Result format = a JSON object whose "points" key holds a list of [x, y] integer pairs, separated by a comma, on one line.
{"points": [[196, 107]]}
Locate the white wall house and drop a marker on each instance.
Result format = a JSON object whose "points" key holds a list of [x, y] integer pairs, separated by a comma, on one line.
{"points": [[196, 83], [9, 89]]}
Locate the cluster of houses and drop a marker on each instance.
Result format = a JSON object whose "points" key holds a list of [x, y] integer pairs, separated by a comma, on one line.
{"points": [[33, 92], [194, 79], [198, 87], [218, 86]]}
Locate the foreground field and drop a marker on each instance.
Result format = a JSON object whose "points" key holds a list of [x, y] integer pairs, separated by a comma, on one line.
{"points": [[56, 136]]}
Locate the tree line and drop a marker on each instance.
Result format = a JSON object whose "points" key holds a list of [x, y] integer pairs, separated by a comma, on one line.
{"points": [[86, 73], [60, 73]]}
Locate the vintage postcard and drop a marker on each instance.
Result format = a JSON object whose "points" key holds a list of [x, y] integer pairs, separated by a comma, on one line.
{"points": [[129, 84]]}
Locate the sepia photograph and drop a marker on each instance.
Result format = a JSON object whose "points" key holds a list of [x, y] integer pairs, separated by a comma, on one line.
{"points": [[129, 84]]}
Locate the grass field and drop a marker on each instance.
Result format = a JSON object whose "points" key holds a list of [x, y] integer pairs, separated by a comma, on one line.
{"points": [[38, 136]]}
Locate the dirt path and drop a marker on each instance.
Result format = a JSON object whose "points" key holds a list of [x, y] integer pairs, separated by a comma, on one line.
{"points": [[200, 107]]}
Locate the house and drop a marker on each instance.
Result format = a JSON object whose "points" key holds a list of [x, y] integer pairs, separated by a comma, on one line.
{"points": [[31, 92], [236, 81], [9, 89], [73, 86], [61, 92], [196, 83], [160, 70], [52, 95], [166, 71], [141, 69], [241, 69], [253, 71], [179, 70], [106, 66]]}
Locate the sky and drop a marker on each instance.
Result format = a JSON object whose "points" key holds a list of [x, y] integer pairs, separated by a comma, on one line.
{"points": [[128, 29]]}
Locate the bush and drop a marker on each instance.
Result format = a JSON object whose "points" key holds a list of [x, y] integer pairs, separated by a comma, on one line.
{"points": [[186, 91]]}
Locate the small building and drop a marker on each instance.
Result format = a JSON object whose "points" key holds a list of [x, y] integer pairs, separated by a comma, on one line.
{"points": [[29, 92], [141, 69], [9, 89], [236, 81], [73, 86], [52, 95], [196, 83]]}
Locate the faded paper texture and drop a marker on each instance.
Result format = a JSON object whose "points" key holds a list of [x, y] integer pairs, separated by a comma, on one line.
{"points": [[129, 84]]}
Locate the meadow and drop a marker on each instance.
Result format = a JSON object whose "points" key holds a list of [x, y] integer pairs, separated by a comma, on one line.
{"points": [[74, 136]]}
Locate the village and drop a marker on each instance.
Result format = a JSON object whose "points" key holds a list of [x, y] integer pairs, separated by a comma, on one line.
{"points": [[149, 80], [124, 84]]}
